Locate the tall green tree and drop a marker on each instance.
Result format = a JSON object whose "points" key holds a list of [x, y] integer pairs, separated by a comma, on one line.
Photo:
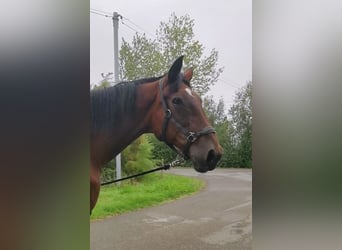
{"points": [[161, 153], [137, 157], [233, 127], [241, 120], [217, 114], [146, 57], [105, 82]]}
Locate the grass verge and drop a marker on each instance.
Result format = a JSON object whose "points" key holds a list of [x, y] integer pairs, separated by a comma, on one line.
{"points": [[154, 189]]}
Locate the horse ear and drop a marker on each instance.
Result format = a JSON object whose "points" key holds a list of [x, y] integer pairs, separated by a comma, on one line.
{"points": [[175, 69], [188, 75]]}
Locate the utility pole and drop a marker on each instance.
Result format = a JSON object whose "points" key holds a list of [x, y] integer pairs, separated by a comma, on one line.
{"points": [[116, 77]]}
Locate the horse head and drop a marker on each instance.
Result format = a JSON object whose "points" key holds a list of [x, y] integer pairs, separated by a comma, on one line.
{"points": [[179, 120]]}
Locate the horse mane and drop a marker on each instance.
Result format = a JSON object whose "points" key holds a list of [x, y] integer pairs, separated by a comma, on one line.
{"points": [[110, 105]]}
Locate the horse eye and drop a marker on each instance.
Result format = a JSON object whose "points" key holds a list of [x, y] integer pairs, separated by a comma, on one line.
{"points": [[177, 100]]}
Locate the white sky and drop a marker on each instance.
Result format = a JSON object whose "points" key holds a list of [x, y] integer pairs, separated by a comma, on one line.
{"points": [[225, 25]]}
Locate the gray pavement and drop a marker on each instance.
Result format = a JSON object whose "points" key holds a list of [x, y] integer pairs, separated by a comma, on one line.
{"points": [[219, 217]]}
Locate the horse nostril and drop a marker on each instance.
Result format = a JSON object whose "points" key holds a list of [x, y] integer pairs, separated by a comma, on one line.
{"points": [[211, 155], [212, 159]]}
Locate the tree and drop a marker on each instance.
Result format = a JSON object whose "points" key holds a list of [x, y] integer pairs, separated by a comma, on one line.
{"points": [[105, 82], [218, 117], [137, 157], [230, 157], [140, 59], [241, 119], [161, 153], [234, 129], [216, 112], [145, 57]]}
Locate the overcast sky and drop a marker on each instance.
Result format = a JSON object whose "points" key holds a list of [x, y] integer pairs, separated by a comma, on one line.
{"points": [[225, 25]]}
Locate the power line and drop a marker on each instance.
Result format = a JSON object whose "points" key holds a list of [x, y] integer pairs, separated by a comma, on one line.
{"points": [[224, 81], [100, 14], [130, 27], [135, 30], [139, 27], [107, 14], [101, 11]]}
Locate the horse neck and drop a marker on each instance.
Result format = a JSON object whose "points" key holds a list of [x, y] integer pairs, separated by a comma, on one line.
{"points": [[140, 121], [137, 123]]}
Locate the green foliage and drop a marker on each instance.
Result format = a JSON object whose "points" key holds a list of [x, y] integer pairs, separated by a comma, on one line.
{"points": [[230, 156], [105, 82], [241, 119], [234, 131], [217, 115], [140, 59], [155, 189], [161, 153], [145, 57], [108, 172], [137, 157]]}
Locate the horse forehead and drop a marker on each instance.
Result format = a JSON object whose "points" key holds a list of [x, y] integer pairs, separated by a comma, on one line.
{"points": [[189, 92]]}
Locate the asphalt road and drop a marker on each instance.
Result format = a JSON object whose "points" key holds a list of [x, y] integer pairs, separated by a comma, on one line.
{"points": [[218, 217]]}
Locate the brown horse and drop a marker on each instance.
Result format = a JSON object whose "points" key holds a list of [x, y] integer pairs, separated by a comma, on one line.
{"points": [[165, 106]]}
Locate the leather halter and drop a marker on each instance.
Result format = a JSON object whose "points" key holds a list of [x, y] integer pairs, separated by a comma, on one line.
{"points": [[191, 136]]}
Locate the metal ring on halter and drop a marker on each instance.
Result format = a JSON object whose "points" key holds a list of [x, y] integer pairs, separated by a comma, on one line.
{"points": [[192, 137], [168, 113]]}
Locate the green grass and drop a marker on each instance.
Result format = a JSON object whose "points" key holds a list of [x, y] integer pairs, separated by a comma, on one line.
{"points": [[153, 190]]}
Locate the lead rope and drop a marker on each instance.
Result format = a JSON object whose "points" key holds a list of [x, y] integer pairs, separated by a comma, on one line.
{"points": [[167, 166]]}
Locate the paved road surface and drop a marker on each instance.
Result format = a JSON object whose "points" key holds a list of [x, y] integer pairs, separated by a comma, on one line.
{"points": [[219, 217]]}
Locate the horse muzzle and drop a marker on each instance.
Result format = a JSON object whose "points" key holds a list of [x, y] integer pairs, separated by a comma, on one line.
{"points": [[207, 161]]}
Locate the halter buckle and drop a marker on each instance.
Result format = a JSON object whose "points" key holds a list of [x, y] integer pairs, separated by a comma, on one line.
{"points": [[192, 137], [168, 113]]}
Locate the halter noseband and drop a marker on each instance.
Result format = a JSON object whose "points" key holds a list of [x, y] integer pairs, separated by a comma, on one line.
{"points": [[191, 137]]}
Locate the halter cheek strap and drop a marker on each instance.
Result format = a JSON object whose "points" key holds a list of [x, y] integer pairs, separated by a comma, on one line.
{"points": [[191, 137]]}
